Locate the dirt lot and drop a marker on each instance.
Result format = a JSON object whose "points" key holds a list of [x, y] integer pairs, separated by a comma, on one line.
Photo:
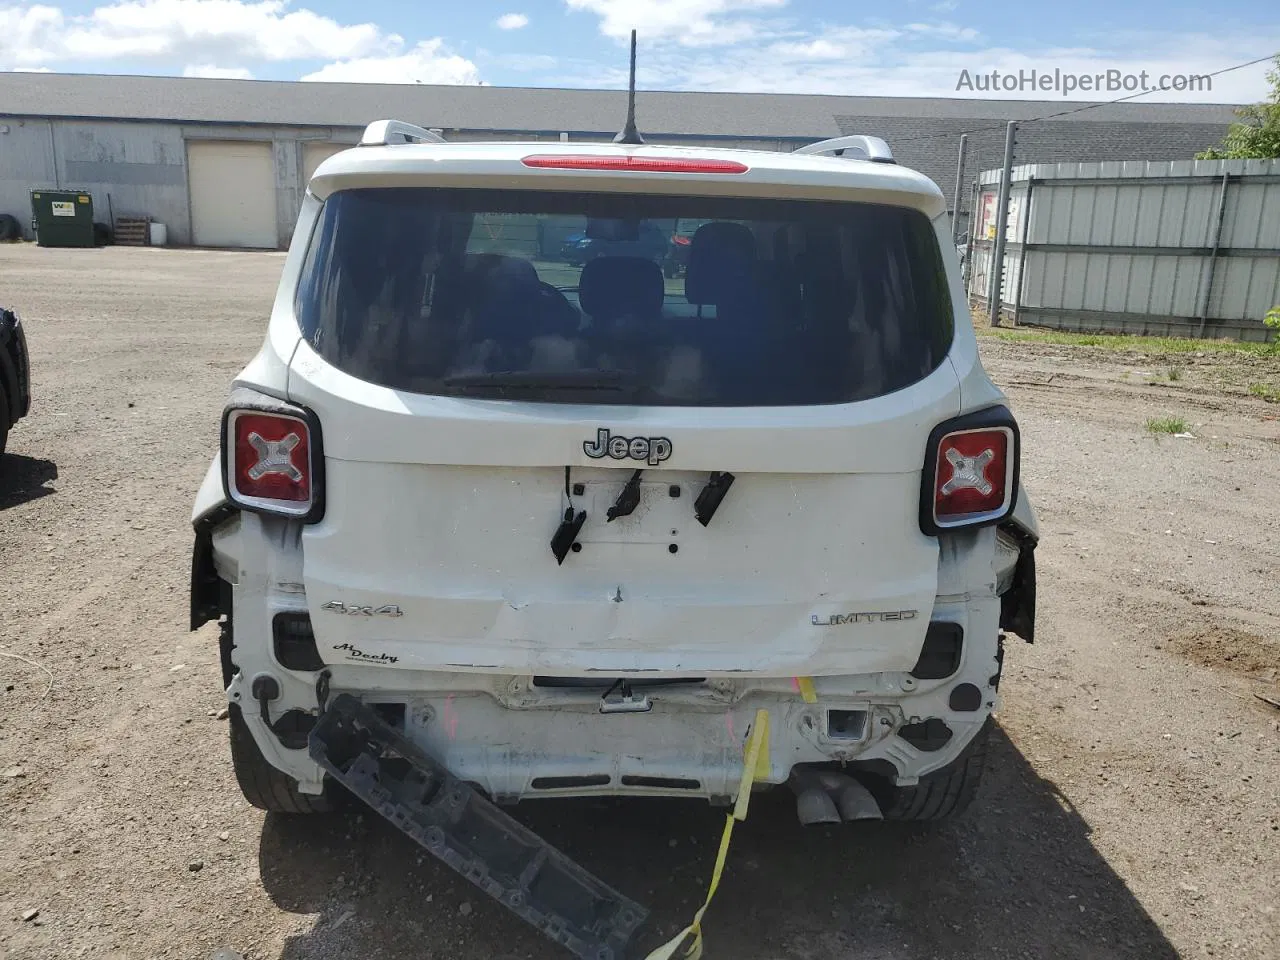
{"points": [[1132, 807]]}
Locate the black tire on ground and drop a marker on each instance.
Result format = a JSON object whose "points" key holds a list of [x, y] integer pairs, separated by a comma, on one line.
{"points": [[262, 784], [4, 419], [9, 227], [945, 793]]}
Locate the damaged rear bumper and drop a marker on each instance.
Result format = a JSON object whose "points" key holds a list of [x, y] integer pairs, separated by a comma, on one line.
{"points": [[503, 858], [518, 737], [515, 738], [678, 747]]}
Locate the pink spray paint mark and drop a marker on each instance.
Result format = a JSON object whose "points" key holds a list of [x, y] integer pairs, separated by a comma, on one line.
{"points": [[450, 718]]}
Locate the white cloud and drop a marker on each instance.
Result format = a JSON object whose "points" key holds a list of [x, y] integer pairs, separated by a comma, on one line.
{"points": [[834, 44], [688, 22], [20, 28], [918, 59], [761, 47], [32, 70], [511, 21], [209, 71], [428, 62], [204, 33], [945, 31], [194, 31], [737, 45]]}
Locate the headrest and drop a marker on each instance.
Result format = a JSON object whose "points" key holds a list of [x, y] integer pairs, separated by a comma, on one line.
{"points": [[500, 292], [612, 287], [722, 260], [487, 271]]}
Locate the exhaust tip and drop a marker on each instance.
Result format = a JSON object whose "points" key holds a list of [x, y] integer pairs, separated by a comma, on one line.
{"points": [[829, 797], [814, 805], [855, 802]]}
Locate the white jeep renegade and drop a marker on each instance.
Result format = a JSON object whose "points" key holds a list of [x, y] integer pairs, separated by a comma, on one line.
{"points": [[563, 460]]}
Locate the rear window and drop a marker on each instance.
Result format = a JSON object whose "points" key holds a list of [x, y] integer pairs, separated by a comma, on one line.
{"points": [[629, 299]]}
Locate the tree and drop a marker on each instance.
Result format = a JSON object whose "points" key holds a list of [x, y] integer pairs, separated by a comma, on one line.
{"points": [[1257, 135]]}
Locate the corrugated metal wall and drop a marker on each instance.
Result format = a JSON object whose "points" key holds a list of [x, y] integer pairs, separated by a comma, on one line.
{"points": [[141, 166], [139, 169], [1155, 248]]}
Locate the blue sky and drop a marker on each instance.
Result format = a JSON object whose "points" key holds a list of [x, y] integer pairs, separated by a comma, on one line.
{"points": [[908, 48]]}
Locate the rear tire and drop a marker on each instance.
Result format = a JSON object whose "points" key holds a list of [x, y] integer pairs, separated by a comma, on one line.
{"points": [[944, 794], [262, 784], [4, 420]]}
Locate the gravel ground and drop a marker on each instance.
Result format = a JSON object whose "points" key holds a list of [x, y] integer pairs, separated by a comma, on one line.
{"points": [[1131, 806]]}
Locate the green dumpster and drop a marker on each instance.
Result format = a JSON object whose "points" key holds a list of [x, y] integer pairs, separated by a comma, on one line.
{"points": [[62, 218]]}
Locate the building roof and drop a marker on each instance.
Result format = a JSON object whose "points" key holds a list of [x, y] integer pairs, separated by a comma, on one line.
{"points": [[548, 110]]}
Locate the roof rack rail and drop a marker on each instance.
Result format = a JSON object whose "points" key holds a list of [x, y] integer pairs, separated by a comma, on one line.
{"points": [[382, 133], [856, 148]]}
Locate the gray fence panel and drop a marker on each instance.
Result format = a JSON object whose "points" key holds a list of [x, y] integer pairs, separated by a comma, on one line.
{"points": [[1133, 246]]}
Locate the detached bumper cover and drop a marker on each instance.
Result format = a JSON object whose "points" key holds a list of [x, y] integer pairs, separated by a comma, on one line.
{"points": [[1018, 603], [454, 823]]}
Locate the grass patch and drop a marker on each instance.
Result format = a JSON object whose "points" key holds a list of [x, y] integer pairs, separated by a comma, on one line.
{"points": [[1174, 373], [1265, 391], [1166, 425], [1120, 341]]}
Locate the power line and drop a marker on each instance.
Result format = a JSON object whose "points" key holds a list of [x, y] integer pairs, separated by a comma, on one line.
{"points": [[948, 133], [1081, 109]]}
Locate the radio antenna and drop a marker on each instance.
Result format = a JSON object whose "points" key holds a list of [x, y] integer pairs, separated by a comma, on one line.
{"points": [[629, 133]]}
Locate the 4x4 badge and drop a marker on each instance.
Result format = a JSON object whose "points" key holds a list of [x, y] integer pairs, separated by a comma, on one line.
{"points": [[355, 610], [652, 450]]}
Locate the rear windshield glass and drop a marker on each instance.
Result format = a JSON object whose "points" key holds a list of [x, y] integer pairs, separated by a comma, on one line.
{"points": [[609, 298]]}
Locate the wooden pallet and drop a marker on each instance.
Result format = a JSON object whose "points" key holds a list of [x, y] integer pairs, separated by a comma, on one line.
{"points": [[132, 231]]}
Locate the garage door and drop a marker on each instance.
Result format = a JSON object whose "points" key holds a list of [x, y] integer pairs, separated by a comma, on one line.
{"points": [[314, 154], [233, 194]]}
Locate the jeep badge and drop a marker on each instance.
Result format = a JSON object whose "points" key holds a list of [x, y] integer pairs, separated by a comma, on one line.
{"points": [[652, 450]]}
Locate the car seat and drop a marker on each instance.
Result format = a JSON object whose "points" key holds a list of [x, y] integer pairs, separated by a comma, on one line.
{"points": [[722, 265], [724, 273], [623, 297], [614, 290]]}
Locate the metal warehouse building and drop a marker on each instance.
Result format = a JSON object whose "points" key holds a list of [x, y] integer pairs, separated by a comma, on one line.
{"points": [[225, 162]]}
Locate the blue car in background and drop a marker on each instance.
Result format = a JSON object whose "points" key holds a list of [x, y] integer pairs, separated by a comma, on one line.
{"points": [[653, 243]]}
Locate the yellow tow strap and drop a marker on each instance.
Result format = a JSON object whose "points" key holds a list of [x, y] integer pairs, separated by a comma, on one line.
{"points": [[755, 767], [805, 686]]}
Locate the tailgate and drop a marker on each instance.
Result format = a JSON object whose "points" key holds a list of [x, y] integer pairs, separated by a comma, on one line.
{"points": [[442, 511]]}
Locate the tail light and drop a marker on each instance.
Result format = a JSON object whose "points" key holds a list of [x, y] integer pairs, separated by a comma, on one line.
{"points": [[631, 163], [680, 240], [271, 460], [970, 476]]}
